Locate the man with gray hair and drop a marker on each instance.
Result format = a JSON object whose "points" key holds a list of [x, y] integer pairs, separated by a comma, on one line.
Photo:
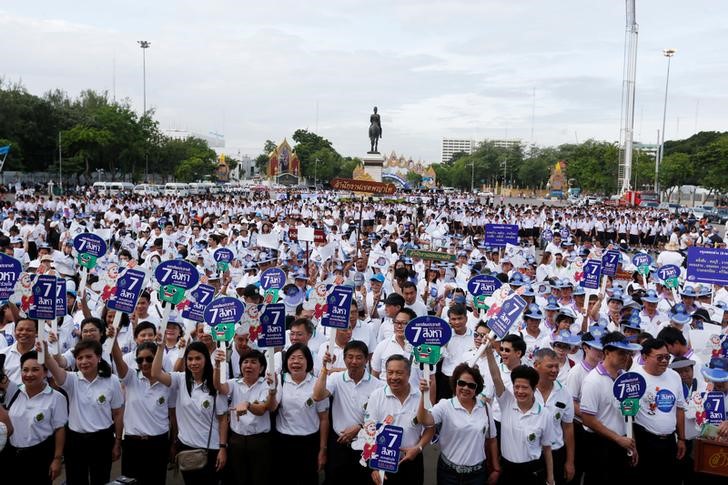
{"points": [[556, 398]]}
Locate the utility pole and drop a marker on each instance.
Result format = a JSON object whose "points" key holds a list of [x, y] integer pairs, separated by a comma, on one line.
{"points": [[667, 53], [145, 45]]}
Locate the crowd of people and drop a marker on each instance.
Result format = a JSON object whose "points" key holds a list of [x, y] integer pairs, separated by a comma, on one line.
{"points": [[534, 406]]}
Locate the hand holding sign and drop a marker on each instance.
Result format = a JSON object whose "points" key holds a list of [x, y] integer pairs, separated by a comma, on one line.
{"points": [[481, 287], [272, 330], [222, 314], [338, 309], [128, 289], [629, 388], [89, 247], [174, 277], [43, 306], [223, 256], [427, 335]]}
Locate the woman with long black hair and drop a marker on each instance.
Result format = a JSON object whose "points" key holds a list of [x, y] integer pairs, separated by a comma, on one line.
{"points": [[199, 406], [95, 418]]}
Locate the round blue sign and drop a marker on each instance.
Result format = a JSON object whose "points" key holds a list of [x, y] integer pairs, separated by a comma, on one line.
{"points": [[629, 385], [483, 285], [641, 259], [273, 278], [177, 272], [88, 243], [428, 330], [565, 233], [10, 269], [547, 235], [665, 400], [668, 271], [223, 254], [225, 309]]}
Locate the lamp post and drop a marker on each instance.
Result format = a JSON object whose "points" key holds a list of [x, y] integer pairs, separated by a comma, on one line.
{"points": [[315, 168], [667, 53], [472, 176], [145, 45]]}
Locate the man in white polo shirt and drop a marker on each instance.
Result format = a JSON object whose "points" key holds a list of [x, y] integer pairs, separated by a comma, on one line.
{"points": [[661, 414], [397, 404], [612, 451], [351, 390]]}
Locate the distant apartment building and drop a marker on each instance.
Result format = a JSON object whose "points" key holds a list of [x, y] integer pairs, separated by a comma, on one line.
{"points": [[451, 146]]}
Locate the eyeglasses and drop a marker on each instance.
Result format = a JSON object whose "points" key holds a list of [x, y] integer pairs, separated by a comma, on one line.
{"points": [[662, 357], [401, 323], [470, 385], [480, 335], [148, 360]]}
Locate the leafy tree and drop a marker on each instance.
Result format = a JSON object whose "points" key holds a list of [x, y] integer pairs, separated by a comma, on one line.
{"points": [[711, 162], [675, 169], [414, 179], [308, 147], [193, 169], [261, 161]]}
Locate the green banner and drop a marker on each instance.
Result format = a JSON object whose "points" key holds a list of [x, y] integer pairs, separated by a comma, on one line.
{"points": [[430, 255]]}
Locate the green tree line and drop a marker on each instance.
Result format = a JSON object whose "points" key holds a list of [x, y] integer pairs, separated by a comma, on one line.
{"points": [[94, 133]]}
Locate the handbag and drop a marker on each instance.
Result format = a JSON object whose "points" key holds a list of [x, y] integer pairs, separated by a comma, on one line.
{"points": [[192, 460]]}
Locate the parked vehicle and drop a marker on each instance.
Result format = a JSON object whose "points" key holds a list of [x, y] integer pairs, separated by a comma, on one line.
{"points": [[147, 189], [175, 188], [113, 188]]}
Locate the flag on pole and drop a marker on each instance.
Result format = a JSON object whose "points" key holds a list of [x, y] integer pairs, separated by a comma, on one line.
{"points": [[3, 155]]}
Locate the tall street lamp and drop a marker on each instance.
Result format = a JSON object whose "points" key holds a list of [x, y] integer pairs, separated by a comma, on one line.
{"points": [[667, 53], [145, 45]]}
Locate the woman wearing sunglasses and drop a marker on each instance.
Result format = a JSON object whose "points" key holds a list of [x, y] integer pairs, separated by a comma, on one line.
{"points": [[146, 417], [467, 429]]}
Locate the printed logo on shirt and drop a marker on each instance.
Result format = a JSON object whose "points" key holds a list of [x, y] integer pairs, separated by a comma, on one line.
{"points": [[161, 401], [665, 400], [101, 399], [39, 417]]}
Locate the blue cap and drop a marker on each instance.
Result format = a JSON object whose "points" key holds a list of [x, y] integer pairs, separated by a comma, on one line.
{"points": [[552, 304], [377, 277], [533, 311], [704, 290], [565, 312], [566, 337], [651, 297], [597, 332], [679, 314], [633, 321], [624, 345], [578, 291], [716, 370], [528, 290], [689, 291]]}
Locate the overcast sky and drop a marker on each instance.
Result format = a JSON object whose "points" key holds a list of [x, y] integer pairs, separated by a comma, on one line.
{"points": [[259, 70]]}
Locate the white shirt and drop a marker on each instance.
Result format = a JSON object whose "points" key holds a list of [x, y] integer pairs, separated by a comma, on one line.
{"points": [[387, 348], [36, 419], [350, 398], [91, 403], [658, 405], [383, 404], [297, 411], [248, 423], [560, 406], [575, 379], [597, 400], [456, 351], [194, 413], [463, 433], [146, 412], [12, 363], [523, 434]]}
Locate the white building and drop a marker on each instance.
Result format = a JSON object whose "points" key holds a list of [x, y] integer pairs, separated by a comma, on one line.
{"points": [[451, 146]]}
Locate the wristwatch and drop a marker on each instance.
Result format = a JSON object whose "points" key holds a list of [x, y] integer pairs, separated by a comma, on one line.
{"points": [[223, 445]]}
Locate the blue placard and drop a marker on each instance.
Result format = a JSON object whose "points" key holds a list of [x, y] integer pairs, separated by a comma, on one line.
{"points": [[714, 405], [61, 307], [629, 385], [592, 274], [509, 312], [501, 234], [273, 278], [641, 259], [43, 306], [10, 269], [668, 271], [128, 289], [338, 307], [88, 243], [547, 235], [225, 309], [201, 296], [389, 440], [564, 232], [177, 272], [483, 285], [610, 260], [273, 326], [223, 254], [708, 265], [428, 330]]}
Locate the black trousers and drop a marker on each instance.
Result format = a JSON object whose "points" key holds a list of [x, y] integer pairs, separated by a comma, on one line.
{"points": [[409, 473], [250, 459], [608, 464], [559, 460], [528, 473], [88, 457], [145, 458], [657, 460], [342, 464], [207, 475], [29, 465], [301, 452], [582, 450]]}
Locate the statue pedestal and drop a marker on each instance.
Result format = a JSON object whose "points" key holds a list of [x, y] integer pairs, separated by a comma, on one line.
{"points": [[373, 164]]}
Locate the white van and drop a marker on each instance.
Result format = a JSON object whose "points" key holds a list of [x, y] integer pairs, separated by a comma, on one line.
{"points": [[101, 188], [174, 188], [113, 188], [196, 188], [146, 189]]}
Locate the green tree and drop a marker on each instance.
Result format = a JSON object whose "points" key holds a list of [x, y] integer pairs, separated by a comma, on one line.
{"points": [[674, 170], [308, 147], [711, 162], [414, 179], [261, 161], [193, 169]]}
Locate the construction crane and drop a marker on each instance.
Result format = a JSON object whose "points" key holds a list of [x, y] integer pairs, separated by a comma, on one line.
{"points": [[626, 131]]}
